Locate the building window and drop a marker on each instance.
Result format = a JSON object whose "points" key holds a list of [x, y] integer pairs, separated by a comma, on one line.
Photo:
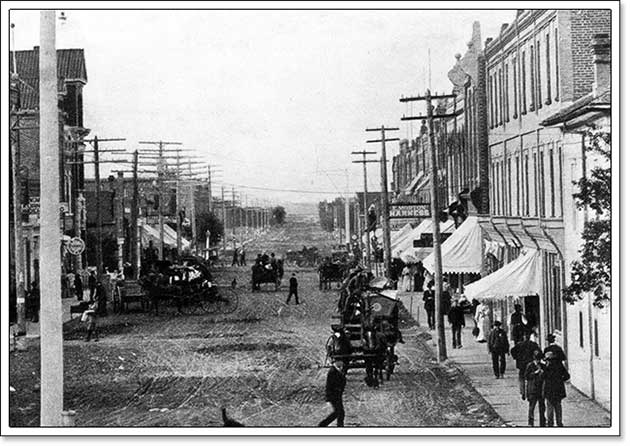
{"points": [[507, 92], [541, 166], [503, 188], [552, 189], [538, 79], [557, 98], [524, 84], [581, 331], [548, 68], [509, 188], [491, 94], [515, 86], [518, 188], [500, 96], [535, 171], [532, 77], [596, 337], [560, 195], [526, 175], [497, 116]]}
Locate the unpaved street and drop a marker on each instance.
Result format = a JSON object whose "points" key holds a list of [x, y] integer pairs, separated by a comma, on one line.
{"points": [[263, 362]]}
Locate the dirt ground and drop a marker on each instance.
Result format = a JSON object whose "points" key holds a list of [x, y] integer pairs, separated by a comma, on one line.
{"points": [[264, 363]]}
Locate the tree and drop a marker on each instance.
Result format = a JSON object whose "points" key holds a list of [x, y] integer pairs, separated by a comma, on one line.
{"points": [[592, 273], [278, 215], [208, 222]]}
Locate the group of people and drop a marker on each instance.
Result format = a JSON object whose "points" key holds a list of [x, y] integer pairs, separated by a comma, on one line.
{"points": [[407, 277], [238, 257]]}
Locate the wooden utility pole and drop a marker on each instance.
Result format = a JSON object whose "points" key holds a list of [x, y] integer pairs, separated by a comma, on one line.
{"points": [[120, 217], [435, 214], [364, 161], [51, 337], [233, 222], [210, 189], [224, 216], [135, 203], [387, 248]]}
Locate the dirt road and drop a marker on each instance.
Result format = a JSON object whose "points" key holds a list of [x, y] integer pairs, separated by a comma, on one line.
{"points": [[264, 362]]}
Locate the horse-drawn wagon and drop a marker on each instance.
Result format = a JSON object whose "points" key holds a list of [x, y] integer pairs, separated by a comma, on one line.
{"points": [[367, 332], [269, 273], [306, 257], [188, 287]]}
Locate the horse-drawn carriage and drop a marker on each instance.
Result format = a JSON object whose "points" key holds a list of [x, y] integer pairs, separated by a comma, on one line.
{"points": [[187, 286], [304, 258], [269, 273], [367, 333]]}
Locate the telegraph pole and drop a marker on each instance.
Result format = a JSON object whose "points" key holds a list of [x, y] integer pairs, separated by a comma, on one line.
{"points": [[135, 203], [51, 337], [210, 189], [224, 216], [365, 161], [435, 210], [120, 214], [233, 218], [387, 249]]}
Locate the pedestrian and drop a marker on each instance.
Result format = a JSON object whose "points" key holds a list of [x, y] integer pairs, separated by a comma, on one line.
{"points": [[78, 285], [418, 277], [293, 290], [445, 302], [406, 278], [242, 257], [457, 321], [92, 284], [554, 376], [523, 354], [100, 298], [534, 376], [498, 346], [89, 316], [518, 325], [429, 304], [33, 302], [128, 270], [554, 348], [335, 385], [235, 257], [482, 318]]}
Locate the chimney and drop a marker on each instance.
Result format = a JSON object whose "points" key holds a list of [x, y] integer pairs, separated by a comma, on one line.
{"points": [[601, 60]]}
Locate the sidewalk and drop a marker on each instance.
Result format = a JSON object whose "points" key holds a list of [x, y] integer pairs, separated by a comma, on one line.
{"points": [[503, 394]]}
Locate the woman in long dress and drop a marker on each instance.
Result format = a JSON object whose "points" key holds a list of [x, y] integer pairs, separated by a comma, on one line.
{"points": [[482, 318], [406, 278]]}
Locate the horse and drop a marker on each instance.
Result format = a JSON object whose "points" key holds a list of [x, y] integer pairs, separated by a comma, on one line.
{"points": [[374, 349]]}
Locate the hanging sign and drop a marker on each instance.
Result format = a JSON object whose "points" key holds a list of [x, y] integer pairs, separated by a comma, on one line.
{"points": [[75, 246], [409, 210]]}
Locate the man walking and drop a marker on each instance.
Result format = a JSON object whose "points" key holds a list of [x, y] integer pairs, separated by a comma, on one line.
{"points": [[498, 346], [523, 354], [429, 305], [534, 376], [293, 290], [457, 321], [335, 385], [554, 376], [555, 349]]}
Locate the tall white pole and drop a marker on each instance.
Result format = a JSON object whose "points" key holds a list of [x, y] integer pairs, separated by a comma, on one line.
{"points": [[347, 210], [51, 340]]}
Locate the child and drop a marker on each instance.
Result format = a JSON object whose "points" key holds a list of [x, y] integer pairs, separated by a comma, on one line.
{"points": [[89, 316]]}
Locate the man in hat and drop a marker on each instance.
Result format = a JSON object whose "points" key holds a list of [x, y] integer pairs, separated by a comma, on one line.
{"points": [[498, 346], [518, 324], [523, 354], [429, 304], [534, 376], [293, 290], [457, 321], [335, 385]]}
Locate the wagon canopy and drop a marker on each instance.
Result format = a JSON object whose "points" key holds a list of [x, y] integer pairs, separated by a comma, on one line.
{"points": [[382, 305]]}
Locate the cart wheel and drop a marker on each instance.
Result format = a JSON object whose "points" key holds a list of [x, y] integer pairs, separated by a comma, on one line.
{"points": [[223, 300], [188, 304]]}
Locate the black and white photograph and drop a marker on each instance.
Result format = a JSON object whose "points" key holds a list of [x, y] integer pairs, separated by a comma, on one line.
{"points": [[311, 218]]}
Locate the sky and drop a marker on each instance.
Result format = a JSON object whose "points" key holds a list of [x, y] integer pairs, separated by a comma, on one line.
{"points": [[274, 99]]}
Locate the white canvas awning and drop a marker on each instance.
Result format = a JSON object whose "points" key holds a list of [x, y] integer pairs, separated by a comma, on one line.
{"points": [[462, 252], [149, 232], [521, 277], [396, 236]]}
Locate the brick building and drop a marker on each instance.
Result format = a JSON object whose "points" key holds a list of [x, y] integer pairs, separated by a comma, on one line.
{"points": [[72, 78], [535, 67]]}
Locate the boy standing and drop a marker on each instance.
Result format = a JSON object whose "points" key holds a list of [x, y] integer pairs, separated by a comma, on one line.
{"points": [[534, 377]]}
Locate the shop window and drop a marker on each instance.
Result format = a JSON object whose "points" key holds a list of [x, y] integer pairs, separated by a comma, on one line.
{"points": [[596, 337]]}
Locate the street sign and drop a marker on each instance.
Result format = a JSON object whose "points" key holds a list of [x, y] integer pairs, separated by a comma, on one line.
{"points": [[76, 246], [409, 210]]}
